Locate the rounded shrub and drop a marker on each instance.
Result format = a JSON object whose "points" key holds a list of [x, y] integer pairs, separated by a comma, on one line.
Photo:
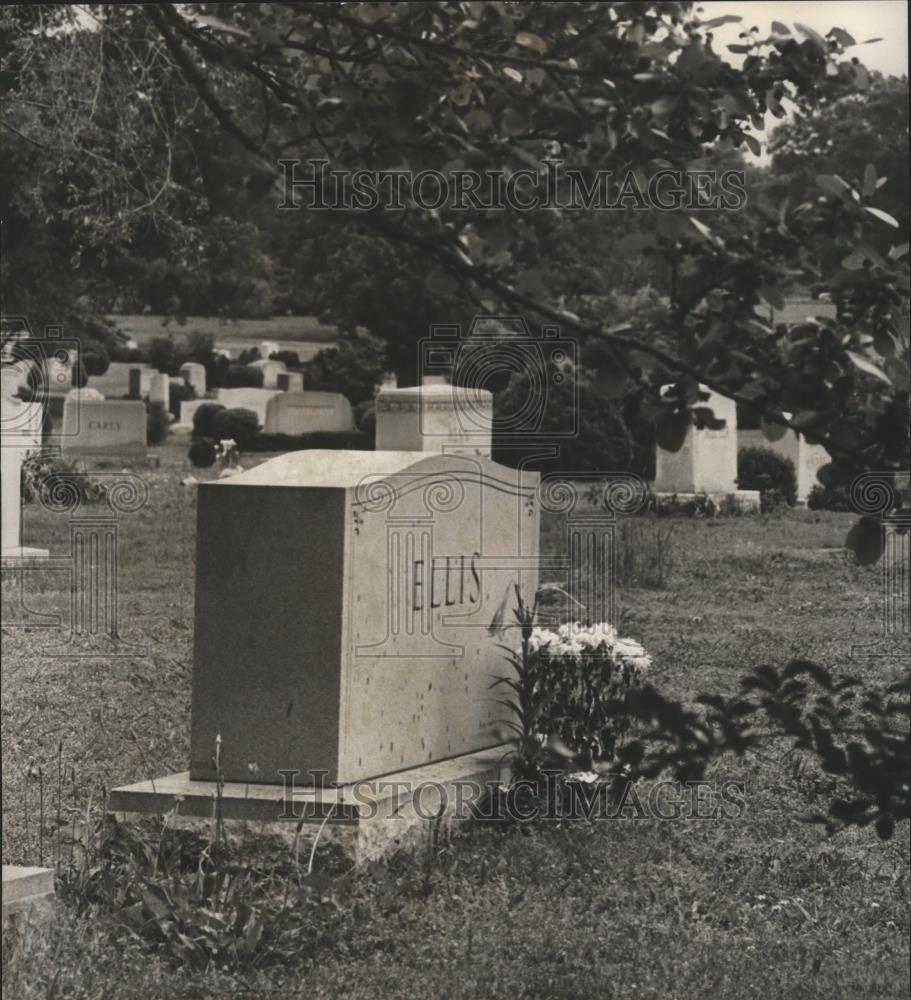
{"points": [[765, 470], [829, 498], [239, 424], [204, 419], [202, 453]]}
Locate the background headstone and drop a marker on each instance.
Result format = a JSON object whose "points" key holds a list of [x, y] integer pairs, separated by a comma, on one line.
{"points": [[195, 375], [342, 608], [188, 408], [808, 458], [160, 389], [290, 381], [244, 398], [271, 370], [707, 461], [26, 892], [434, 417], [308, 412], [103, 427], [115, 382], [20, 435]]}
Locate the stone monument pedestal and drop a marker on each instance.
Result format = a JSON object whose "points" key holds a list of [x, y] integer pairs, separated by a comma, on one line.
{"points": [[369, 819], [26, 892], [705, 466], [20, 435]]}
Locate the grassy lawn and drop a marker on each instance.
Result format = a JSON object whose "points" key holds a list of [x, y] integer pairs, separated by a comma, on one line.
{"points": [[761, 905]]}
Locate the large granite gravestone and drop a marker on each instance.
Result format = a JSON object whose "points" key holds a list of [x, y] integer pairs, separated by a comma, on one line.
{"points": [[271, 370], [807, 458], [307, 413], [244, 398], [434, 417], [706, 463], [194, 375], [20, 435], [342, 606], [103, 428]]}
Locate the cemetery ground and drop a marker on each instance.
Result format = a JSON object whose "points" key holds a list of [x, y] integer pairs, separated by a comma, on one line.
{"points": [[757, 905]]}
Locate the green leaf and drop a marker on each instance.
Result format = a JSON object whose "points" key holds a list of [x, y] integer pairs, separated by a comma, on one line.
{"points": [[842, 37], [772, 431], [718, 21], [869, 185], [880, 214], [780, 29], [814, 37], [867, 366], [834, 185], [703, 229], [530, 41], [897, 370], [752, 144], [670, 431]]}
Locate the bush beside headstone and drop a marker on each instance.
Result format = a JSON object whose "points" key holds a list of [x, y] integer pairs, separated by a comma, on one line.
{"points": [[238, 424], [204, 419], [157, 421], [764, 470]]}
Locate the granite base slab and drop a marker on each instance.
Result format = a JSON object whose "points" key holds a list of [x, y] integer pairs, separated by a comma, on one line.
{"points": [[27, 893], [369, 819], [746, 500]]}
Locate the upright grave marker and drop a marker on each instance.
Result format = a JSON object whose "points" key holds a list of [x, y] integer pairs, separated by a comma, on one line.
{"points": [[194, 375], [271, 370], [103, 428], [435, 417], [307, 413], [398, 563], [20, 435], [116, 382], [706, 463], [244, 398], [807, 458], [160, 389], [290, 381]]}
